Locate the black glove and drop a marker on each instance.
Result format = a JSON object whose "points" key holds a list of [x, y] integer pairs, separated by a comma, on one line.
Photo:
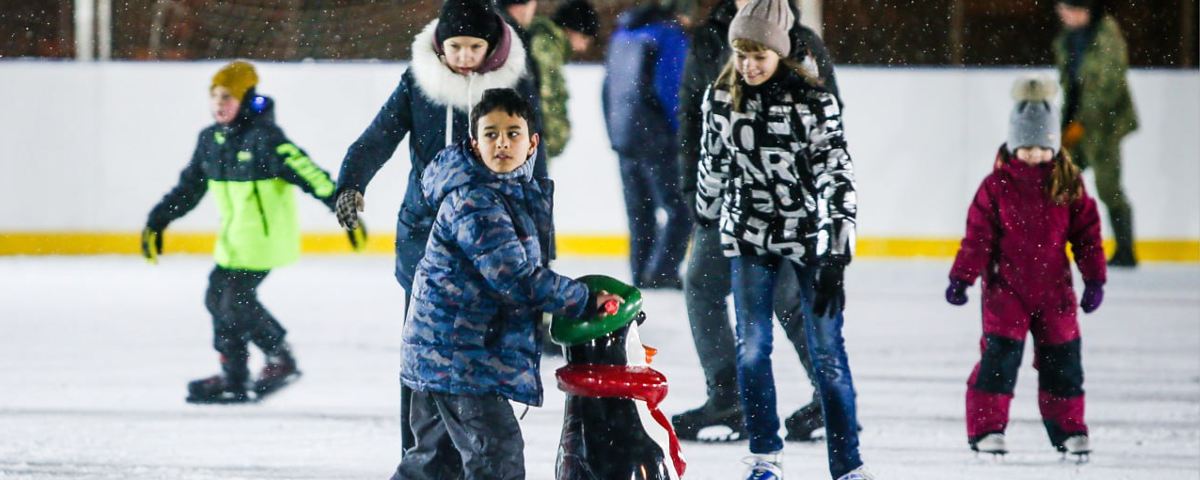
{"points": [[349, 203], [956, 293], [358, 236], [152, 240], [830, 296]]}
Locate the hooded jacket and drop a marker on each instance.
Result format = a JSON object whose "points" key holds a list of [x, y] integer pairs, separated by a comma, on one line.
{"points": [[480, 289], [431, 107], [707, 57], [777, 174], [250, 167], [1017, 237], [642, 73]]}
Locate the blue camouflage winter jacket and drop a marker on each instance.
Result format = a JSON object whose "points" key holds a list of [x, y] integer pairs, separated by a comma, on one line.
{"points": [[480, 290]]}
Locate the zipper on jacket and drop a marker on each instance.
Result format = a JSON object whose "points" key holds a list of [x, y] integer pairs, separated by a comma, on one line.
{"points": [[262, 214]]}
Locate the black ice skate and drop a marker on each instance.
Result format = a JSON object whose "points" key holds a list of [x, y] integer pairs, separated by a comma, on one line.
{"points": [[217, 389], [689, 425], [803, 425], [280, 371]]}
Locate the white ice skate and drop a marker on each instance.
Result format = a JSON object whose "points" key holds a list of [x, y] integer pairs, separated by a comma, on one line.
{"points": [[764, 467], [992, 443], [1078, 446], [860, 473]]}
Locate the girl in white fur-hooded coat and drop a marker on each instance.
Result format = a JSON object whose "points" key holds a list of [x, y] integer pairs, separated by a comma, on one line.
{"points": [[467, 50]]}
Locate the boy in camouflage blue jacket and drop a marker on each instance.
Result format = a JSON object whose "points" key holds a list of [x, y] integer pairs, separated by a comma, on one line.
{"points": [[470, 343]]}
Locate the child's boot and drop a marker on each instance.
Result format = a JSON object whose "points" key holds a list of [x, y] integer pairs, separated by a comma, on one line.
{"points": [[227, 387], [992, 443], [1077, 445], [279, 371]]}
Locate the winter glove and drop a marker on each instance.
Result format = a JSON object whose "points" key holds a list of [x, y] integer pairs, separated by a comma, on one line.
{"points": [[1072, 135], [152, 240], [349, 203], [956, 293], [1093, 296], [358, 236], [830, 296]]}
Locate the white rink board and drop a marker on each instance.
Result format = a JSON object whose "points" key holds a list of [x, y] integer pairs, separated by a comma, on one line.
{"points": [[97, 144]]}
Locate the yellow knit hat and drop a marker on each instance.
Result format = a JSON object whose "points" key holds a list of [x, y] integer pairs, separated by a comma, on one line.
{"points": [[238, 77]]}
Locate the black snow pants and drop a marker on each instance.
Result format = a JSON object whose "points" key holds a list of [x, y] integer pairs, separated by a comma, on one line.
{"points": [[238, 318], [472, 437]]}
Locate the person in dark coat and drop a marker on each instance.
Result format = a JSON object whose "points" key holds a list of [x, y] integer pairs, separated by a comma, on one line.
{"points": [[466, 51], [250, 167], [643, 69], [1025, 213], [470, 340], [706, 285]]}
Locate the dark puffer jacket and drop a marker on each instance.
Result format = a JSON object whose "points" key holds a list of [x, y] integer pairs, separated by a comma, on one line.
{"points": [[777, 174], [480, 290], [430, 106]]}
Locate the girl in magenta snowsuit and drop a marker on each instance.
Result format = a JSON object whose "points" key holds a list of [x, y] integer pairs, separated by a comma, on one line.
{"points": [[1018, 227]]}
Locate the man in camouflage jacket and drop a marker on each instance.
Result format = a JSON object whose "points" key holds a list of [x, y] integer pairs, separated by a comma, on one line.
{"points": [[1098, 111]]}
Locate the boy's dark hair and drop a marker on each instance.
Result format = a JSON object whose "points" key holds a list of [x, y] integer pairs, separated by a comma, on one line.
{"points": [[505, 99]]}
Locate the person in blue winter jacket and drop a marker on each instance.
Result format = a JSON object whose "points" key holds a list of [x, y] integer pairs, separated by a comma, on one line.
{"points": [[643, 72], [470, 343], [467, 50]]}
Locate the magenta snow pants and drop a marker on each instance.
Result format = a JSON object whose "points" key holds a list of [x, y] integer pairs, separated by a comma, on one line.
{"points": [[1007, 320]]}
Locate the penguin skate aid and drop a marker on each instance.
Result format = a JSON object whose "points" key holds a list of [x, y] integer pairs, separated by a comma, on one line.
{"points": [[612, 427]]}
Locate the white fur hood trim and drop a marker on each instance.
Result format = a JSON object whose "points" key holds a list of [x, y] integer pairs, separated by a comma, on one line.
{"points": [[462, 92]]}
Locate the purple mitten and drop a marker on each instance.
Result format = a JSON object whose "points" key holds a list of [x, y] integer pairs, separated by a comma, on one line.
{"points": [[1093, 296], [956, 293]]}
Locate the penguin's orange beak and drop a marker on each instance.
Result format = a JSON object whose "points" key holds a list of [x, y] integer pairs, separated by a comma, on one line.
{"points": [[650, 353]]}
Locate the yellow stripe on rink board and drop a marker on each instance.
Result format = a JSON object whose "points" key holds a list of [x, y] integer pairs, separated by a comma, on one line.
{"points": [[86, 243]]}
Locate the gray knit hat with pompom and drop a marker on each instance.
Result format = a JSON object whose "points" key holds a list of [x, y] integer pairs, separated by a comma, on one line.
{"points": [[1034, 119]]}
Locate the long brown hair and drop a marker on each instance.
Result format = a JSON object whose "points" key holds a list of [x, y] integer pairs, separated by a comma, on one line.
{"points": [[731, 78], [1065, 185]]}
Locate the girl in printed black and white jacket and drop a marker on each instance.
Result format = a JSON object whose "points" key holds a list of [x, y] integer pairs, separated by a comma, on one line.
{"points": [[775, 174]]}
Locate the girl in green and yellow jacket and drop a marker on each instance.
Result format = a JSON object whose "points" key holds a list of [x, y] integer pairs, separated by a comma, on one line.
{"points": [[248, 164], [1098, 110]]}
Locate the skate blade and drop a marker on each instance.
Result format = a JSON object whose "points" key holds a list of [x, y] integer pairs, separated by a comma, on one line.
{"points": [[249, 398], [719, 434], [1079, 458], [995, 456]]}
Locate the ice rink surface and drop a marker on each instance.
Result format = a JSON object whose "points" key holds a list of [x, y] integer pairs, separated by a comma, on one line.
{"points": [[95, 354]]}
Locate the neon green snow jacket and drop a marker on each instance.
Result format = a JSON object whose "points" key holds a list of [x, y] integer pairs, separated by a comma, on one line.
{"points": [[250, 168]]}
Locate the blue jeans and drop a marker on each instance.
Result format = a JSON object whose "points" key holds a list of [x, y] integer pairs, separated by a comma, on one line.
{"points": [[754, 280]]}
